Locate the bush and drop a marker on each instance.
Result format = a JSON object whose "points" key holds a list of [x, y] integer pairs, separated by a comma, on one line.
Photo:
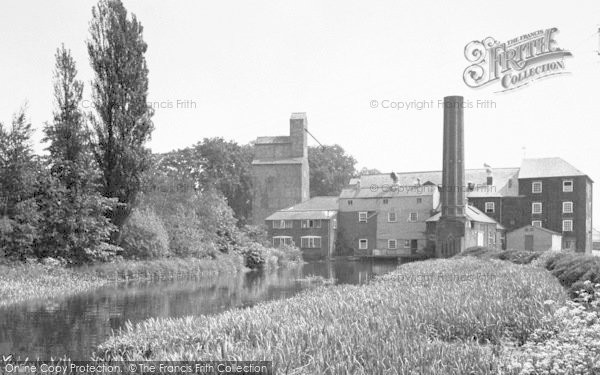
{"points": [[573, 269], [514, 256], [186, 236], [144, 236]]}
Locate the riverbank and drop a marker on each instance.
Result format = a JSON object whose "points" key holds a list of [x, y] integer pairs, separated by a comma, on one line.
{"points": [[438, 316], [29, 281]]}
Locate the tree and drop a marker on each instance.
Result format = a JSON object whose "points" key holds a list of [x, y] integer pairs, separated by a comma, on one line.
{"points": [[18, 186], [122, 121], [367, 171], [214, 163], [73, 210], [330, 170], [226, 166]]}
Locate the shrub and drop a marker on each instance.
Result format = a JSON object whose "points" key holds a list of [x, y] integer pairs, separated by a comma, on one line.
{"points": [[144, 236], [572, 269], [255, 255], [514, 256]]}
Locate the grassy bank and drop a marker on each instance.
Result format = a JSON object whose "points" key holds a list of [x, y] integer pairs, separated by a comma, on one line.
{"points": [[442, 316], [573, 270], [30, 281]]}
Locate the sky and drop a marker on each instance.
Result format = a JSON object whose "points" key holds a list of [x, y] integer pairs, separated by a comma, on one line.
{"points": [[238, 69]]}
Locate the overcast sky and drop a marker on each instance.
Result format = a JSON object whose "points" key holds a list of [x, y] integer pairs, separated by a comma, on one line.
{"points": [[242, 67]]}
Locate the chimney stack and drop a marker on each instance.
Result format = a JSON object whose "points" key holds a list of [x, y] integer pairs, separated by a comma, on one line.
{"points": [[450, 231], [453, 171]]}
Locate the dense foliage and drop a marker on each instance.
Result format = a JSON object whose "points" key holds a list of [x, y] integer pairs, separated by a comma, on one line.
{"points": [[330, 170]]}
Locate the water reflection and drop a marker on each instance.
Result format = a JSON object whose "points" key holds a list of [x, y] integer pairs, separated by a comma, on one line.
{"points": [[74, 326]]}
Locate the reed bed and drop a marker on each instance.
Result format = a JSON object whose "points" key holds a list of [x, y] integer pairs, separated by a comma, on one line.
{"points": [[430, 317]]}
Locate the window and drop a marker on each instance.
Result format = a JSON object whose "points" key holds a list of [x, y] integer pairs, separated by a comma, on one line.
{"points": [[282, 224], [536, 223], [567, 186], [407, 243], [310, 242], [536, 208], [392, 217], [363, 244], [490, 207], [491, 238], [385, 201], [282, 240], [419, 200], [362, 217], [413, 216], [567, 207], [536, 187], [392, 244], [307, 224], [567, 225], [349, 201]]}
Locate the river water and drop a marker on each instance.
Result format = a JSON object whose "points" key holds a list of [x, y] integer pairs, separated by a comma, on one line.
{"points": [[75, 325]]}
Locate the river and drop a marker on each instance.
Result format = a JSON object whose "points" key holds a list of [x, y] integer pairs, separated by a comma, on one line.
{"points": [[74, 326]]}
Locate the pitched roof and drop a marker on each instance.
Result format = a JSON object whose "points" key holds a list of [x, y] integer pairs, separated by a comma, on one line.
{"points": [[314, 208], [547, 167], [384, 190], [478, 177], [472, 214], [542, 229]]}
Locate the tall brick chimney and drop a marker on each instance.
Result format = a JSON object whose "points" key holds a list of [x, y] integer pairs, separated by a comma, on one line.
{"points": [[450, 236]]}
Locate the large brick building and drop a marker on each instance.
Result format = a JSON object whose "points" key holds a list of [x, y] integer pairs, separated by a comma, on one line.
{"points": [[280, 170]]}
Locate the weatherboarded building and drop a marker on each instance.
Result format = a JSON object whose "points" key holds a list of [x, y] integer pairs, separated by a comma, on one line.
{"points": [[310, 225], [384, 215]]}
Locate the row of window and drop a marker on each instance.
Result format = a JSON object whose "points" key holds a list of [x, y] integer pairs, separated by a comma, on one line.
{"points": [[306, 242], [567, 224], [305, 224], [393, 244], [567, 186], [536, 207], [392, 217]]}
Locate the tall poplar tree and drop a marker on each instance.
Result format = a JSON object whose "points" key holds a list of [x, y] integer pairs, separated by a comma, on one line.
{"points": [[122, 120]]}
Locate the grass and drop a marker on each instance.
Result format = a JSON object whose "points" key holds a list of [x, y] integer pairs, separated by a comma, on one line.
{"points": [[430, 317], [20, 282], [571, 269], [30, 281]]}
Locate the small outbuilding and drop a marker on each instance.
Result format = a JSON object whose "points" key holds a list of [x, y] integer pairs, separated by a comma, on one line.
{"points": [[533, 238]]}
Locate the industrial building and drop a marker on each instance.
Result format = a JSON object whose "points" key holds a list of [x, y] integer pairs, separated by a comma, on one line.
{"points": [[545, 203]]}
